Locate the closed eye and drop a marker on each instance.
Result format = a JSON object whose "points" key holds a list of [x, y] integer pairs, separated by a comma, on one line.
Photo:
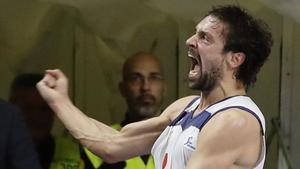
{"points": [[204, 37]]}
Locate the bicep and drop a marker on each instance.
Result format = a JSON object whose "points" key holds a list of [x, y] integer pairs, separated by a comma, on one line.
{"points": [[142, 135]]}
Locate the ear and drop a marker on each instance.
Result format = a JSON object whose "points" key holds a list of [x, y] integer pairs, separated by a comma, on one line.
{"points": [[122, 88], [165, 88], [236, 59]]}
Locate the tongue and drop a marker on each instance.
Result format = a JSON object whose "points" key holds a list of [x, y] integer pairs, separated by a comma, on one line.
{"points": [[194, 71], [196, 68]]}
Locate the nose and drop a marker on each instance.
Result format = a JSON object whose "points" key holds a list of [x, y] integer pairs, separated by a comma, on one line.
{"points": [[191, 42], [145, 85]]}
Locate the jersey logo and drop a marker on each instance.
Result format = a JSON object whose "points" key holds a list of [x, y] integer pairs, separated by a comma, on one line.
{"points": [[189, 143]]}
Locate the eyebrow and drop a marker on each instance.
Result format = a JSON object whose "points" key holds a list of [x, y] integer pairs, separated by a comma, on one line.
{"points": [[206, 33], [151, 73], [156, 73]]}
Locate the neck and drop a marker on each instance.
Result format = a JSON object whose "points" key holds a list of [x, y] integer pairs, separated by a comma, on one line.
{"points": [[131, 117], [220, 92]]}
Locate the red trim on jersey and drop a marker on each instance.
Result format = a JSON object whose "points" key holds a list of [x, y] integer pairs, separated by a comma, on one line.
{"points": [[165, 161]]}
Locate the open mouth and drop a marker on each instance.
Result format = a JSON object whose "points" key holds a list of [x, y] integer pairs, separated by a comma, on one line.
{"points": [[195, 65]]}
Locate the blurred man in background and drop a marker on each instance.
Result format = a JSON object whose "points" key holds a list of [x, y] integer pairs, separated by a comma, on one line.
{"points": [[56, 152], [16, 147], [143, 88]]}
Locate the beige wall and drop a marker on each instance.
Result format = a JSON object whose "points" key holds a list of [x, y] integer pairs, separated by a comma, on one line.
{"points": [[295, 115], [290, 89]]}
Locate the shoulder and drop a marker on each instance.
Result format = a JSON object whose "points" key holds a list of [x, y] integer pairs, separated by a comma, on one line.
{"points": [[174, 109], [5, 105], [7, 111], [236, 126], [234, 119]]}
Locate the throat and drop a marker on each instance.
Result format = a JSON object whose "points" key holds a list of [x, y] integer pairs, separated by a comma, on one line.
{"points": [[200, 109]]}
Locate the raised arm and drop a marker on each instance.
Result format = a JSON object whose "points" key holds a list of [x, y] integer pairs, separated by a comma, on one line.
{"points": [[231, 139], [112, 145]]}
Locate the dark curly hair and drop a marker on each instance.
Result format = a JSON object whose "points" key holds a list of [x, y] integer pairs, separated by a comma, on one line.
{"points": [[24, 81], [247, 35]]}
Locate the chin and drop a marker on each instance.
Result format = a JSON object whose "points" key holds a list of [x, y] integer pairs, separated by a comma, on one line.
{"points": [[147, 111], [192, 84], [203, 87], [194, 87]]}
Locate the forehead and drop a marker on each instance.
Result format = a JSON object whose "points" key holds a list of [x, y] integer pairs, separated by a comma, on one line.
{"points": [[212, 25], [143, 65]]}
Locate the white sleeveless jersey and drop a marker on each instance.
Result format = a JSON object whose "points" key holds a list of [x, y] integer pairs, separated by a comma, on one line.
{"points": [[173, 148]]}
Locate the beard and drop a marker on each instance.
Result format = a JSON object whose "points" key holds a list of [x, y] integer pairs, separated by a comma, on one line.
{"points": [[145, 106], [207, 81], [147, 111]]}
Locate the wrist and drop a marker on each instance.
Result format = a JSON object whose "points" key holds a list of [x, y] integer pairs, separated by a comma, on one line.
{"points": [[60, 103]]}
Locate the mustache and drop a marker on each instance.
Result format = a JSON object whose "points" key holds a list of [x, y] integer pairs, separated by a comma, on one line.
{"points": [[142, 96]]}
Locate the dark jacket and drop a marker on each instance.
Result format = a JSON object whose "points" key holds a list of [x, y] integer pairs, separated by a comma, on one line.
{"points": [[16, 147]]}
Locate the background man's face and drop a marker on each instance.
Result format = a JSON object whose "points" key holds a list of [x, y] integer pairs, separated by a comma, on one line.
{"points": [[143, 86]]}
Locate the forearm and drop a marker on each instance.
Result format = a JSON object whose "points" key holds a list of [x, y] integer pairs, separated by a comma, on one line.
{"points": [[92, 134], [133, 140]]}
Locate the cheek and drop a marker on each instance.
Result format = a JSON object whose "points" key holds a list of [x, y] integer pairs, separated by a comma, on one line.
{"points": [[158, 91], [210, 61], [132, 91]]}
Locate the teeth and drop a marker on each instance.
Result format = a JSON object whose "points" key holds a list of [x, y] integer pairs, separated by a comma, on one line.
{"points": [[195, 61], [190, 55], [193, 72]]}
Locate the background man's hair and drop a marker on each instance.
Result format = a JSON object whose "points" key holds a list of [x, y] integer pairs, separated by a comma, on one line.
{"points": [[28, 80]]}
